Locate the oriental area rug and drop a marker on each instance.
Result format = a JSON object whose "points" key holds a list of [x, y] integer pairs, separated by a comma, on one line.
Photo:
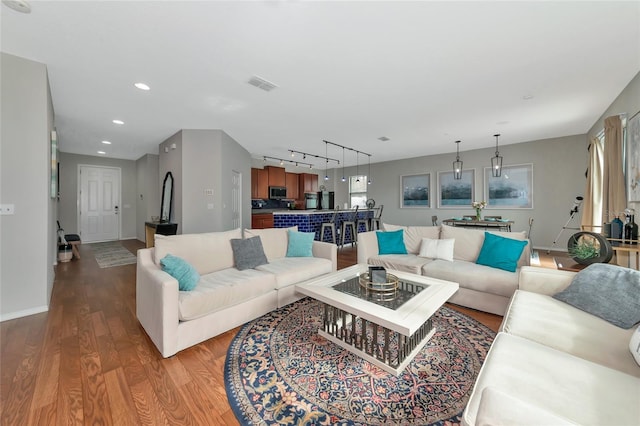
{"points": [[111, 253], [280, 371]]}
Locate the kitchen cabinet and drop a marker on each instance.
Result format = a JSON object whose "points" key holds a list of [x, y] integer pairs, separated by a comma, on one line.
{"points": [[307, 182], [262, 220], [291, 180], [259, 183], [276, 176]]}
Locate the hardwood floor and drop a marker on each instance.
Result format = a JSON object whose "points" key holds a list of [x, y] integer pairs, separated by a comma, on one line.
{"points": [[88, 361]]}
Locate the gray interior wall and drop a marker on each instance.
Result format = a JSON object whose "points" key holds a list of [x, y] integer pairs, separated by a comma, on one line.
{"points": [[170, 160], [69, 191], [558, 177], [148, 197], [26, 263], [238, 159]]}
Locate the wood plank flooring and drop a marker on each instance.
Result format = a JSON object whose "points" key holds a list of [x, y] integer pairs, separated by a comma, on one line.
{"points": [[88, 361]]}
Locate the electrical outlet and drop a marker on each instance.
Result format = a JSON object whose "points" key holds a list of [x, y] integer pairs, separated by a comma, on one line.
{"points": [[7, 209], [208, 192]]}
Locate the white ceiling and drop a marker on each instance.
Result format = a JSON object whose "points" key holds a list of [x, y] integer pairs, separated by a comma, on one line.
{"points": [[423, 74]]}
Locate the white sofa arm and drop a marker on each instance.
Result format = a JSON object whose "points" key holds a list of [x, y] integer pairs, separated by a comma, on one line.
{"points": [[367, 246], [326, 251], [157, 303], [544, 280]]}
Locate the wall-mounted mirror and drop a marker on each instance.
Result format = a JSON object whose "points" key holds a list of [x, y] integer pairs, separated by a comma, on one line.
{"points": [[167, 198]]}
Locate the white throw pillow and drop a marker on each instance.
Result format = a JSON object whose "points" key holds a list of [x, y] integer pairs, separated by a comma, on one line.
{"points": [[437, 249], [634, 345]]}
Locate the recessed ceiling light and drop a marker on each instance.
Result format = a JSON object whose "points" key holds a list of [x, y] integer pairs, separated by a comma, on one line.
{"points": [[527, 97], [101, 152], [118, 122], [106, 142], [142, 86], [18, 5]]}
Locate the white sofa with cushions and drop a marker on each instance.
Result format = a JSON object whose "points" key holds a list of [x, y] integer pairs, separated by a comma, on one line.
{"points": [[554, 364], [482, 287], [224, 297]]}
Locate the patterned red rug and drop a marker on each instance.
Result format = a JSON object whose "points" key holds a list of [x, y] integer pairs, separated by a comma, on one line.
{"points": [[279, 371]]}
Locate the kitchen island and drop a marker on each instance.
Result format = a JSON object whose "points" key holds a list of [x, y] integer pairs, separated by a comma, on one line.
{"points": [[312, 220]]}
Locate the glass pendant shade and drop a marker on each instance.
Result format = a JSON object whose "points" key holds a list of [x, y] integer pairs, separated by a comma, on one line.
{"points": [[496, 162], [457, 165]]}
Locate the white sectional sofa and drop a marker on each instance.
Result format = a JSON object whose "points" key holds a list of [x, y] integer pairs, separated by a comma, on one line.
{"points": [[553, 364], [225, 297], [481, 287]]}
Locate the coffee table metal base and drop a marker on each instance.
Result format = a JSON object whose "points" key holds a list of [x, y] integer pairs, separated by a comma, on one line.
{"points": [[385, 348]]}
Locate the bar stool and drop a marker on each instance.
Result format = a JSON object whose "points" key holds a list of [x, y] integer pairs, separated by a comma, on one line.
{"points": [[351, 223], [331, 225], [376, 220], [364, 221], [434, 220]]}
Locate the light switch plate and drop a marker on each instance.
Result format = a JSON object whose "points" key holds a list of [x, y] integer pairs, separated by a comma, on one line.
{"points": [[7, 209]]}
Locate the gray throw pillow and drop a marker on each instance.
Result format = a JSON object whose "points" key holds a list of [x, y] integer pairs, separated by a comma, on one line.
{"points": [[606, 291], [248, 253]]}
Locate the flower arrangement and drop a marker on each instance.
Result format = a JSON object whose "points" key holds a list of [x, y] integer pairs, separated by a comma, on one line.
{"points": [[478, 205]]}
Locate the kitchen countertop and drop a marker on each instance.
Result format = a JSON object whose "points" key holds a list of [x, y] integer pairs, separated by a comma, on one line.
{"points": [[300, 211]]}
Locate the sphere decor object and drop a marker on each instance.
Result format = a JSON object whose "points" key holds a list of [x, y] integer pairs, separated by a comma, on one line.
{"points": [[588, 247], [371, 203]]}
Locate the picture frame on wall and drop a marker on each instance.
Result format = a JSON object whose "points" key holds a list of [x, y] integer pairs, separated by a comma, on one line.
{"points": [[513, 189], [456, 193], [54, 164], [415, 191], [633, 158]]}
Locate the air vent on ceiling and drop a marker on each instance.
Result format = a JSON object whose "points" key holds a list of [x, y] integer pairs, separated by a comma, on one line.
{"points": [[383, 138], [261, 83]]}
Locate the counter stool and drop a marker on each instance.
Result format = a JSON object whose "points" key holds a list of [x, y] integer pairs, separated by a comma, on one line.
{"points": [[434, 220], [376, 220], [351, 223], [362, 221], [331, 225]]}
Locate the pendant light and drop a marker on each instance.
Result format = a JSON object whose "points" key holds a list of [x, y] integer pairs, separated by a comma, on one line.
{"points": [[357, 167], [343, 178], [326, 162], [457, 165], [496, 162], [369, 172]]}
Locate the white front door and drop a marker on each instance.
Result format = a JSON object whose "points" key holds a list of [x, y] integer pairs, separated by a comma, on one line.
{"points": [[236, 199], [99, 197]]}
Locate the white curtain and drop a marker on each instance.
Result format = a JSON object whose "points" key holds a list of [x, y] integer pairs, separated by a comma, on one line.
{"points": [[592, 207]]}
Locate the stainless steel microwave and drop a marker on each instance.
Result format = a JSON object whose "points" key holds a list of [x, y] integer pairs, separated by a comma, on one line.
{"points": [[277, 192]]}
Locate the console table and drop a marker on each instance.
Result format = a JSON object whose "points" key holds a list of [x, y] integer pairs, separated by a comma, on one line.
{"points": [[503, 225], [162, 228]]}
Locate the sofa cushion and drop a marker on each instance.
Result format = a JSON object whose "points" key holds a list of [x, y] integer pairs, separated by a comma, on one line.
{"points": [[553, 323], [437, 249], [413, 235], [400, 262], [248, 253], [197, 249], [293, 270], [391, 242], [565, 385], [274, 240], [469, 242], [181, 270], [472, 276], [608, 291], [500, 252], [300, 244], [223, 289]]}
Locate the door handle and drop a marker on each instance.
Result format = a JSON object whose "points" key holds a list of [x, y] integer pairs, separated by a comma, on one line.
{"points": [[116, 207]]}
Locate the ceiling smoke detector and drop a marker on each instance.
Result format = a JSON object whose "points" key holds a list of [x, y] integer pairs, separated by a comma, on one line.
{"points": [[261, 83], [18, 5], [383, 138]]}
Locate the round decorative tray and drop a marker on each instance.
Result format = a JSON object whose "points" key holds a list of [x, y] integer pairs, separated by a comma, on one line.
{"points": [[387, 287]]}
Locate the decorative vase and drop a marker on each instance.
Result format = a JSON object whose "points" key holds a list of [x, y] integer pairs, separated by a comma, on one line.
{"points": [[478, 218]]}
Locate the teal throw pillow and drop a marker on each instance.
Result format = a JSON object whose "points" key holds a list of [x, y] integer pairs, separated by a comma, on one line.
{"points": [[181, 270], [300, 244], [500, 252], [391, 242]]}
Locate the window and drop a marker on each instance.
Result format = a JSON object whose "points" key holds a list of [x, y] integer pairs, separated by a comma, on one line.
{"points": [[358, 191]]}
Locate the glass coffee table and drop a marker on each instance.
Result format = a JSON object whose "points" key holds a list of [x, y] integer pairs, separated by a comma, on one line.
{"points": [[387, 328]]}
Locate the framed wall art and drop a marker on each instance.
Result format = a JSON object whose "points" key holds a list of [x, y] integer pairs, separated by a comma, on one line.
{"points": [[453, 193], [54, 164], [512, 190], [633, 158], [415, 191]]}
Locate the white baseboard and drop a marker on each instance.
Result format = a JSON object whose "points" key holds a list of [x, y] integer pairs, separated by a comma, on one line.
{"points": [[23, 313]]}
